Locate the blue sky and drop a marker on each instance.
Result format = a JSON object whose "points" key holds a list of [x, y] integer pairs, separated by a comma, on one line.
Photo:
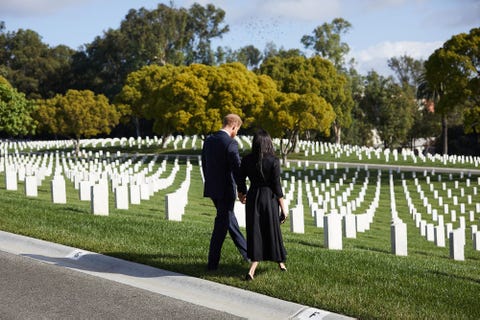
{"points": [[381, 29]]}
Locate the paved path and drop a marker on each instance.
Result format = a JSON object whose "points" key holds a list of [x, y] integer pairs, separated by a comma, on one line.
{"points": [[44, 280], [31, 289]]}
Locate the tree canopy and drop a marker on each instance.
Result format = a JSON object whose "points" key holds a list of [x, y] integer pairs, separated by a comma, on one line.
{"points": [[15, 111], [77, 114], [301, 75], [31, 66], [388, 109], [192, 99], [452, 81]]}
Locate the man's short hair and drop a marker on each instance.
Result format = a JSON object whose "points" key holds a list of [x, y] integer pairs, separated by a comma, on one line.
{"points": [[232, 120]]}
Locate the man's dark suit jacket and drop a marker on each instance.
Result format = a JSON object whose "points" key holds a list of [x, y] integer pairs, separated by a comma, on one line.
{"points": [[220, 165]]}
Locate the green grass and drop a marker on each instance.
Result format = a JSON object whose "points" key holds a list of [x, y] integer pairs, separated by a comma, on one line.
{"points": [[363, 280]]}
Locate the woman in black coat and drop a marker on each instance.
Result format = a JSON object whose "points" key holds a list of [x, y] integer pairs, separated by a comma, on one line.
{"points": [[265, 208]]}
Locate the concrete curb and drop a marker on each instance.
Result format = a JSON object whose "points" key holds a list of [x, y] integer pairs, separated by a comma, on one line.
{"points": [[216, 296]]}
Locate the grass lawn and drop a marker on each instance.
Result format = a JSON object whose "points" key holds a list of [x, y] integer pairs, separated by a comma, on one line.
{"points": [[363, 280]]}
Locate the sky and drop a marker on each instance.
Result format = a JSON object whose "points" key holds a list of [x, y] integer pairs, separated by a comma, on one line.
{"points": [[381, 29]]}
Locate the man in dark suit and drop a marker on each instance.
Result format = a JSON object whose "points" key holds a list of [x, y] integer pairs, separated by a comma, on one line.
{"points": [[220, 165]]}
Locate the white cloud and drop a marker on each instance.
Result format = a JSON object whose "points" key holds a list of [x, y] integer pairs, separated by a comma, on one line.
{"points": [[375, 57], [417, 50]]}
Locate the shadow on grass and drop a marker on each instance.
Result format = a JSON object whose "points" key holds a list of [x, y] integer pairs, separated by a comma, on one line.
{"points": [[366, 248], [449, 275]]}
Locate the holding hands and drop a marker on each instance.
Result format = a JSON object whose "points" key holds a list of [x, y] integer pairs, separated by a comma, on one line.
{"points": [[242, 197]]}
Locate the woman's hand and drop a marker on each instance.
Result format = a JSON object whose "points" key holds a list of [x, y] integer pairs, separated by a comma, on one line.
{"points": [[283, 217], [242, 197]]}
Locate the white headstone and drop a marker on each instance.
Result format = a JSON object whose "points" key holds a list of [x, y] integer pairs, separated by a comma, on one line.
{"points": [[173, 210], [297, 224], [474, 229], [349, 226], [439, 234], [319, 214], [476, 241], [457, 244], [239, 210], [11, 178], [31, 188], [398, 235], [58, 189], [333, 231], [134, 191], [99, 198], [121, 197], [429, 232], [144, 191], [85, 192]]}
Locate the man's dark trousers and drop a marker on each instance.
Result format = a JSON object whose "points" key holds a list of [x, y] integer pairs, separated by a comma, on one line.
{"points": [[225, 221]]}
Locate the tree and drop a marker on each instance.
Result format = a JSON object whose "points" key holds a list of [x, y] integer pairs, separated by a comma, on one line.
{"points": [[297, 74], [77, 114], [204, 24], [192, 99], [326, 41], [451, 81], [15, 111], [144, 91], [165, 35], [31, 66], [249, 56], [296, 115], [388, 109], [360, 132], [409, 72], [407, 69]]}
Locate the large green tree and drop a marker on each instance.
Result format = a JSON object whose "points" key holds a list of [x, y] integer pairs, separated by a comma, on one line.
{"points": [[77, 114], [15, 111], [360, 130], [452, 81], [192, 99], [31, 66], [294, 115], [409, 72], [204, 23], [326, 41], [301, 75], [164, 35], [388, 109]]}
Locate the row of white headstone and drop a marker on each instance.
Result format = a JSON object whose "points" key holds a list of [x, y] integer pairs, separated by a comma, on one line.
{"points": [[307, 147], [438, 231], [342, 221], [130, 182], [311, 148]]}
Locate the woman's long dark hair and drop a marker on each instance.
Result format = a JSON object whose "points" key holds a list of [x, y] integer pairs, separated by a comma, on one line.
{"points": [[261, 146]]}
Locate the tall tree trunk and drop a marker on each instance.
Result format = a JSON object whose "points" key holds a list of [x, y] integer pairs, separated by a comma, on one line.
{"points": [[77, 146], [136, 122], [445, 133], [338, 133]]}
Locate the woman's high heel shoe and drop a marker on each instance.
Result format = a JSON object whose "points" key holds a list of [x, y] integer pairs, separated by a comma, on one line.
{"points": [[282, 267], [248, 277]]}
